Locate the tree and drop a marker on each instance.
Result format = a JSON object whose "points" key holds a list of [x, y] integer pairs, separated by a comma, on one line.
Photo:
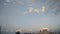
{"points": [[17, 32]]}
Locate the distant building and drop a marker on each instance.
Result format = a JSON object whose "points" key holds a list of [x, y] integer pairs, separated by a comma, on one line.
{"points": [[44, 31]]}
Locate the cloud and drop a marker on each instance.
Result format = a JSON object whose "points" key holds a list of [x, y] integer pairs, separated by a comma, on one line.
{"points": [[30, 10], [25, 12], [43, 9], [55, 4], [5, 3], [17, 2], [20, 2], [7, 0], [35, 10], [32, 1]]}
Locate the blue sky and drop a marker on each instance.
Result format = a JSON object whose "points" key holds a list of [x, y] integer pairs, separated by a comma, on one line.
{"points": [[29, 14]]}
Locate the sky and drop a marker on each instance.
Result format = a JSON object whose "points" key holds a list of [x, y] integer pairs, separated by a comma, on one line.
{"points": [[29, 15]]}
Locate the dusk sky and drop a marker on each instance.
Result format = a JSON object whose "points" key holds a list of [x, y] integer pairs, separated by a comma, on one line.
{"points": [[28, 15]]}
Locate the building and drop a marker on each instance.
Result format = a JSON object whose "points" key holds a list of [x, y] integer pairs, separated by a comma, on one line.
{"points": [[44, 31]]}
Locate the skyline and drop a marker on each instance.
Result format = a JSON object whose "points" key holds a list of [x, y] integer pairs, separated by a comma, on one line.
{"points": [[29, 14]]}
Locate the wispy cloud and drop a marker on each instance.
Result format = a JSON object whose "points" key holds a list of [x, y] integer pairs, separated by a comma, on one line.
{"points": [[35, 10], [30, 9], [25, 12], [55, 4], [5, 3], [43, 9], [18, 2], [7, 0]]}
